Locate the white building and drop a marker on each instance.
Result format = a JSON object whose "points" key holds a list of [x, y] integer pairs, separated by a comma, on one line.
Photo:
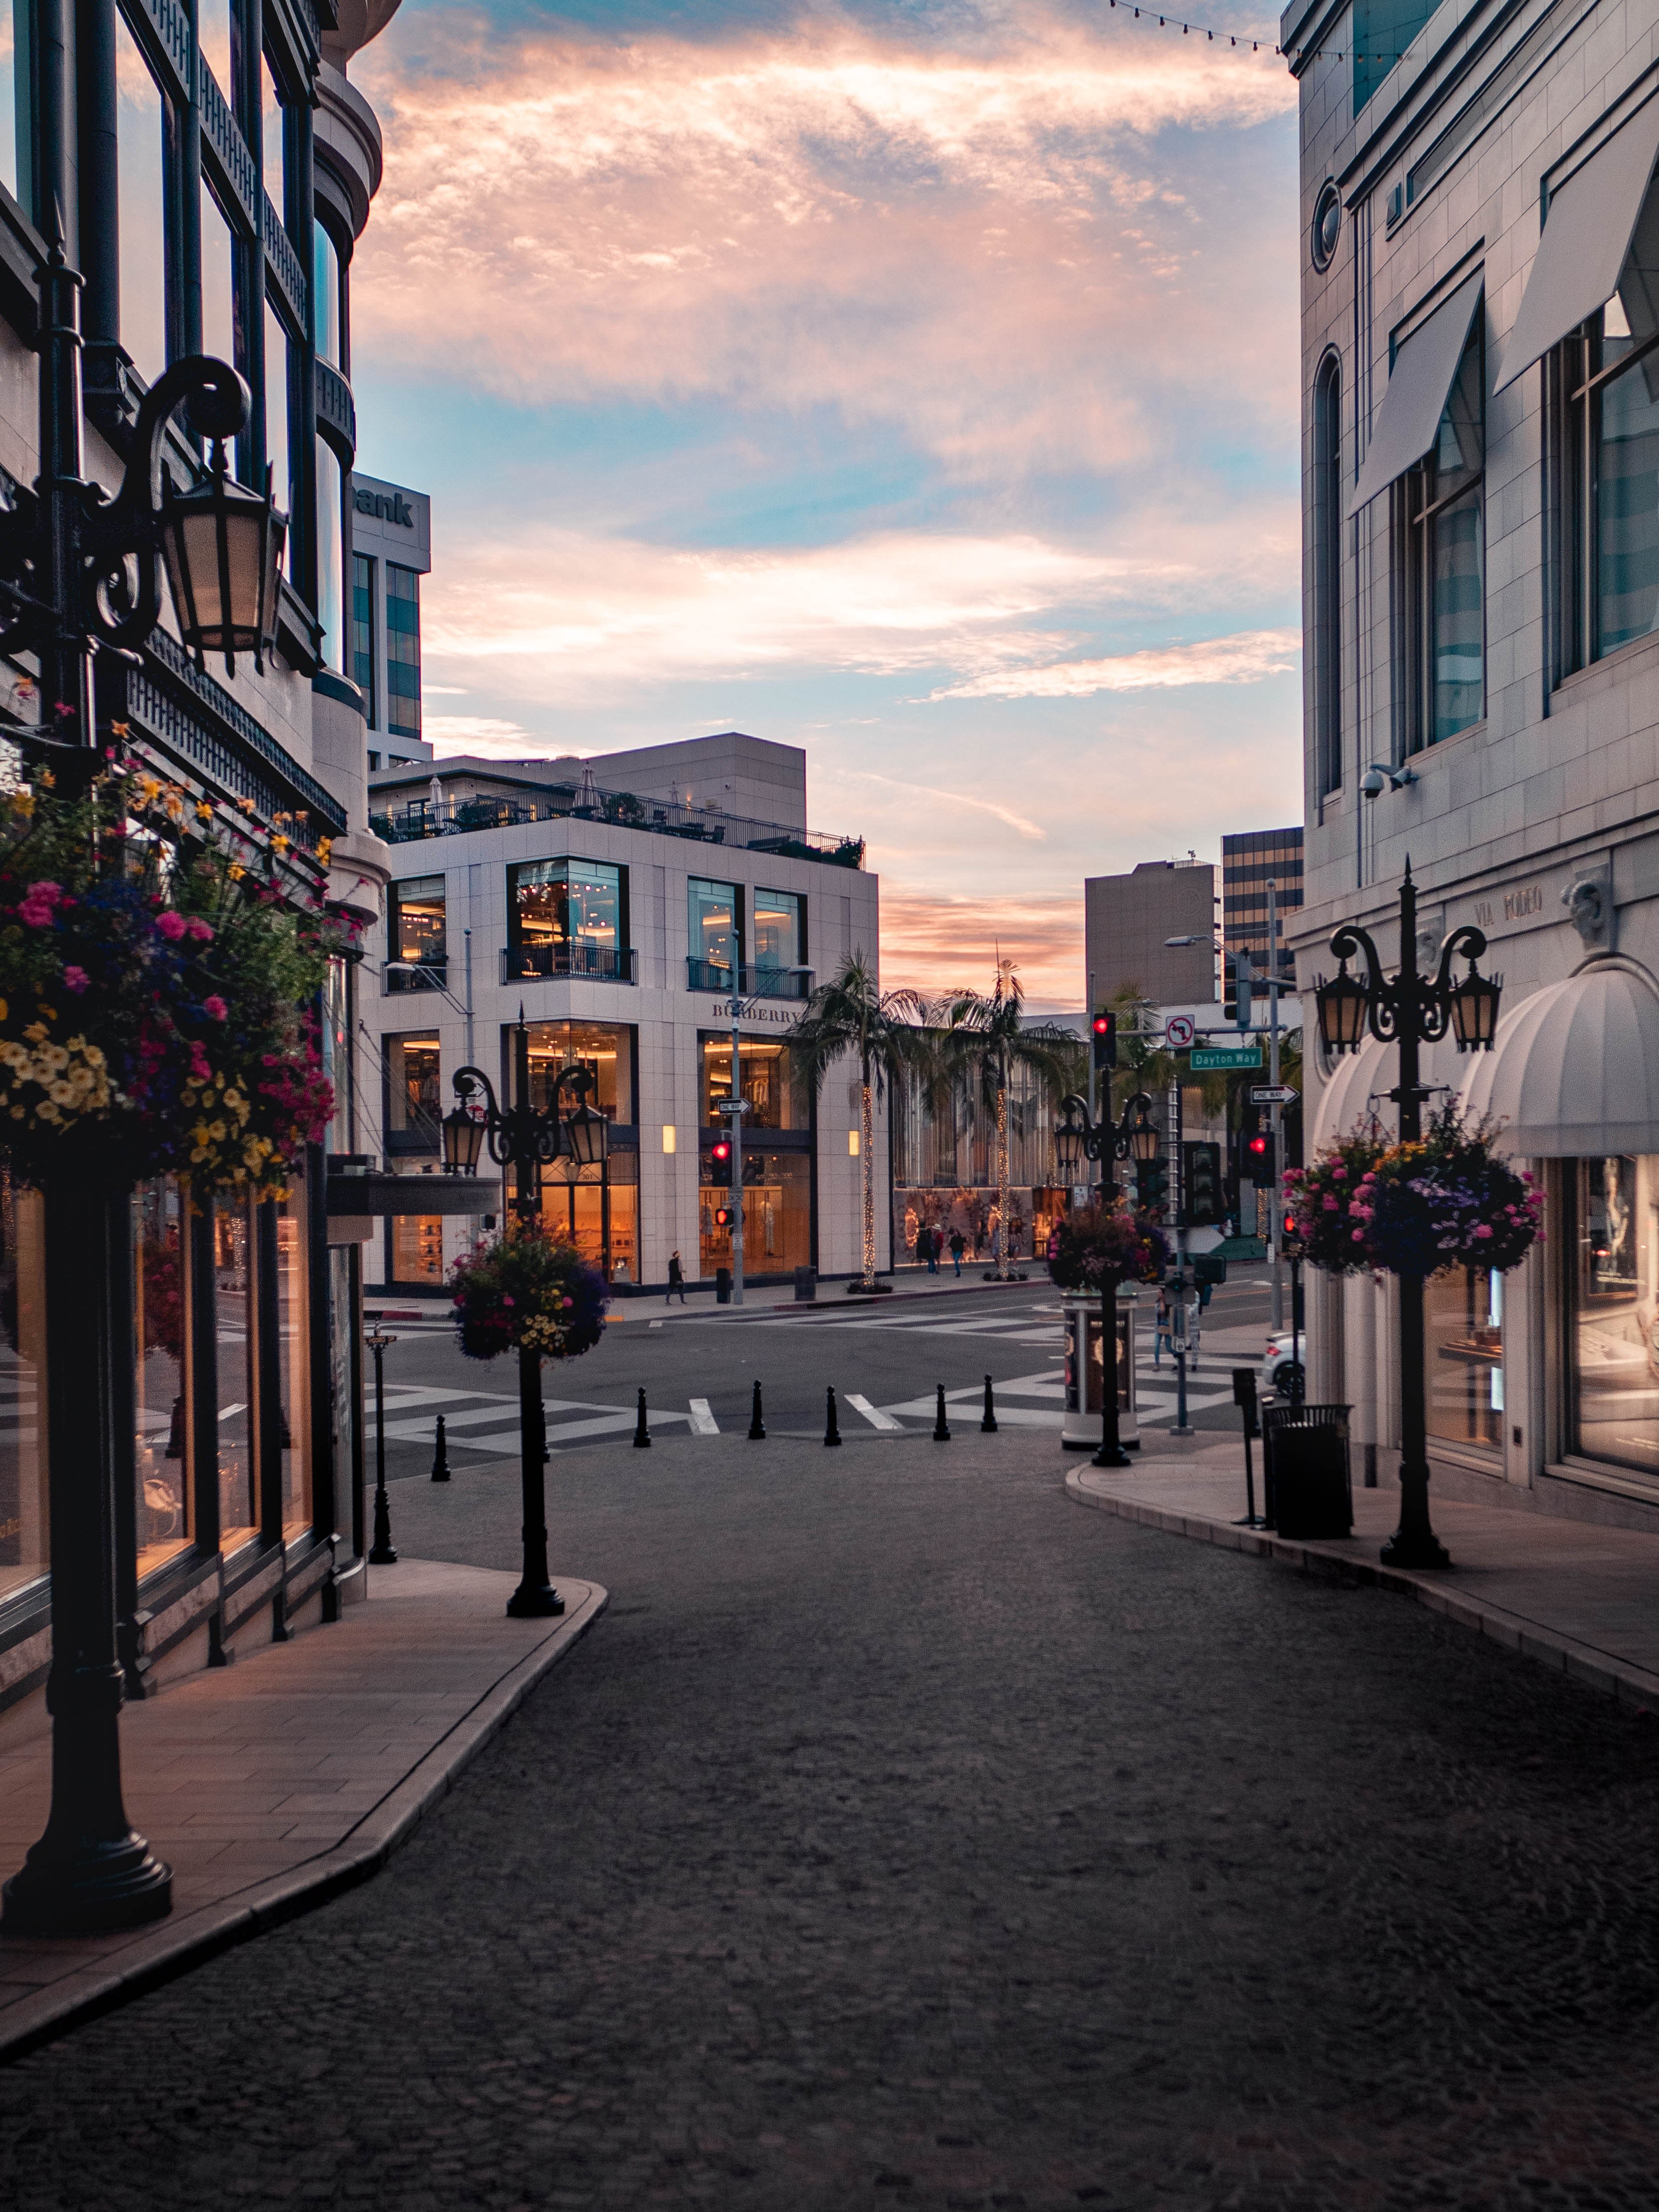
{"points": [[1480, 361], [615, 899]]}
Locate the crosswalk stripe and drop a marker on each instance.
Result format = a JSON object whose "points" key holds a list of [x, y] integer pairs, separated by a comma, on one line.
{"points": [[872, 1413], [703, 1423]]}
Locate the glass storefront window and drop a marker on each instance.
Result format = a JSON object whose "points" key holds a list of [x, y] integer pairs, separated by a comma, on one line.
{"points": [[714, 940], [605, 1048], [275, 150], [403, 651], [339, 1062], [567, 918], [278, 452], [418, 1248], [363, 632], [164, 1517], [1615, 1371], [213, 36], [25, 1527], [294, 1361], [218, 282], [777, 1215], [598, 1209], [1464, 1327], [239, 1498], [776, 1100], [14, 126], [779, 931], [140, 182], [1445, 503], [325, 294], [330, 554], [416, 928], [414, 1099]]}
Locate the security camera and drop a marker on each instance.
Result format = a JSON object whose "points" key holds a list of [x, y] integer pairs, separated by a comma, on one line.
{"points": [[1373, 783]]}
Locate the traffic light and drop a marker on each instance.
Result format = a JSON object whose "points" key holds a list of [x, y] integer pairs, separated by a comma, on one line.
{"points": [[1290, 1235], [1152, 1185], [1256, 1159], [1209, 1269], [1244, 977], [720, 1157], [1205, 1204], [726, 1216], [1103, 1031]]}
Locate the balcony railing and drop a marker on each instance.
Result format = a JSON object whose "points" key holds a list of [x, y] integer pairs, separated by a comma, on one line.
{"points": [[751, 982], [419, 818], [600, 964], [425, 976]]}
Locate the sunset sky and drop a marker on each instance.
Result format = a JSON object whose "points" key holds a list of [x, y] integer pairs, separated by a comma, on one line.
{"points": [[913, 383]]}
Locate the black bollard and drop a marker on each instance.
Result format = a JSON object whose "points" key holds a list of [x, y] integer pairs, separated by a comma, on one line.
{"points": [[642, 1434], [756, 1426], [941, 1426], [988, 1427], [440, 1456], [831, 1426]]}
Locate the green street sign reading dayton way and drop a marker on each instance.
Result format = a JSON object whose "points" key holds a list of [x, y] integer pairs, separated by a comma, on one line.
{"points": [[1209, 1058]]}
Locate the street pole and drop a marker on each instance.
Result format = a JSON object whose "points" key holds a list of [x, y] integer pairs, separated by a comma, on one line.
{"points": [[1178, 1192], [469, 996], [1413, 1543], [1275, 1111], [382, 1555], [736, 1107]]}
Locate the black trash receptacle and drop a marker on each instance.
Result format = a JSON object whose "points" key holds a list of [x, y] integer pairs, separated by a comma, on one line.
{"points": [[1304, 1452], [722, 1286], [807, 1284]]}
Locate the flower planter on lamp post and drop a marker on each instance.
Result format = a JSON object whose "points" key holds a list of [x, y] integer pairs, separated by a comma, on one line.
{"points": [[1113, 1248]]}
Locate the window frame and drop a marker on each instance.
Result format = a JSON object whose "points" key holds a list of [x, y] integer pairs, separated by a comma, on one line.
{"points": [[1325, 580], [1576, 416], [1419, 506]]}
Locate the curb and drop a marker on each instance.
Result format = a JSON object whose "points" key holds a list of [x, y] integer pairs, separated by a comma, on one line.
{"points": [[178, 1943], [1512, 1631]]}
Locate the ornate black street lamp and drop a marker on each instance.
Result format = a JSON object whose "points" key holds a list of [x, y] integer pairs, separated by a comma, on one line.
{"points": [[1410, 1009], [1078, 1138], [80, 574], [526, 1138]]}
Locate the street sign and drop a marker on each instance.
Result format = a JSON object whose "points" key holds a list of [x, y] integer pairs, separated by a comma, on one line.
{"points": [[1274, 1094], [1213, 1058], [1179, 1031]]}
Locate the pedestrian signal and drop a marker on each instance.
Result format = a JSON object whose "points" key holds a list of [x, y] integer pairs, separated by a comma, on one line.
{"points": [[726, 1216]]}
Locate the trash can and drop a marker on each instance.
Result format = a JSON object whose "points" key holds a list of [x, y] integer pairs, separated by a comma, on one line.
{"points": [[806, 1285], [1080, 1425], [1304, 1458], [722, 1286]]}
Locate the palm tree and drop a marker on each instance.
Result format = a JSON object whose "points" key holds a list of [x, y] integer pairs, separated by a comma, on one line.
{"points": [[989, 1037], [883, 1030]]}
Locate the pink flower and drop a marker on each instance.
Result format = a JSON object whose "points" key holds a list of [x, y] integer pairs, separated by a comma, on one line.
{"points": [[1358, 1237], [34, 908], [1331, 1206], [1482, 1231], [506, 1301], [170, 925], [1338, 1175], [200, 930], [75, 979], [215, 1009]]}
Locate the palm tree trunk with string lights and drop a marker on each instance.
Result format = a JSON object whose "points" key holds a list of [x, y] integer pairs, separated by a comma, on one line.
{"points": [[1003, 1254], [867, 1160]]}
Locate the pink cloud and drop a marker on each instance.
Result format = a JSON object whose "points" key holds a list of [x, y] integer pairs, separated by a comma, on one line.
{"points": [[997, 249]]}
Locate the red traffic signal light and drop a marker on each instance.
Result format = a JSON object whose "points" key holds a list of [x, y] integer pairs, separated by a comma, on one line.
{"points": [[720, 1155], [726, 1216], [720, 1148], [1256, 1145], [1104, 1032], [1103, 1025]]}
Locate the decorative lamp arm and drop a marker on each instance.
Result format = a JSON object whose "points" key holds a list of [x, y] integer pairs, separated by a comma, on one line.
{"points": [[1465, 943]]}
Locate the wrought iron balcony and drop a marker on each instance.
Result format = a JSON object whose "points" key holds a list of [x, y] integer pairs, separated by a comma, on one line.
{"points": [[599, 963], [751, 982]]}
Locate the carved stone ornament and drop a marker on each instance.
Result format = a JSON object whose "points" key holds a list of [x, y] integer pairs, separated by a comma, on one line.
{"points": [[1587, 897]]}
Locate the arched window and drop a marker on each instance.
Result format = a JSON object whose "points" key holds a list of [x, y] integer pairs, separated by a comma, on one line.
{"points": [[1324, 623]]}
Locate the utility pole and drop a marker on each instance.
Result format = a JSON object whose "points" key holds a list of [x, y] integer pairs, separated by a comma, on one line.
{"points": [[1275, 1112], [469, 997]]}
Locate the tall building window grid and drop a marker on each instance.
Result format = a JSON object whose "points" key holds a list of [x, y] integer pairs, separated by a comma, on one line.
{"points": [[1326, 556], [1248, 859], [403, 651], [1440, 510], [362, 633]]}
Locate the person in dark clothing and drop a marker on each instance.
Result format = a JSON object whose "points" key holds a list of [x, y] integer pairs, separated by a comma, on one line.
{"points": [[959, 1246], [676, 1279]]}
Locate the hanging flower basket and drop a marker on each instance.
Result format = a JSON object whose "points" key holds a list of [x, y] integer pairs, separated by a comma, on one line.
{"points": [[527, 1292], [1448, 1202], [156, 973], [1321, 1196], [1094, 1247]]}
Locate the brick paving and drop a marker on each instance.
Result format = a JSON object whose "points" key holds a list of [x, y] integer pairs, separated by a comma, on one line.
{"points": [[906, 1835]]}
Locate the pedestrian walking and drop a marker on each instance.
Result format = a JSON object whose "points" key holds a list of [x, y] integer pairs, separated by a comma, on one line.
{"points": [[1162, 1340], [938, 1249], [924, 1246], [959, 1246], [676, 1279]]}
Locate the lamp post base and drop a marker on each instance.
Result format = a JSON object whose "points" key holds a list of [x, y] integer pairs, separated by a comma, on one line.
{"points": [[1413, 1544], [1111, 1456], [528, 1604], [82, 1887]]}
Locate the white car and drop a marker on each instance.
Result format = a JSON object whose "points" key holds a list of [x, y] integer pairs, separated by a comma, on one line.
{"points": [[1282, 1371]]}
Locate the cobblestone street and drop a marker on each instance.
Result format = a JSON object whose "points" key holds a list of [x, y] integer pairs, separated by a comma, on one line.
{"points": [[907, 1836]]}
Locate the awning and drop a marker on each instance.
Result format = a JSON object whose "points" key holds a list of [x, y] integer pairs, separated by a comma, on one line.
{"points": [[1580, 254], [1408, 421], [1574, 1069], [1361, 1085]]}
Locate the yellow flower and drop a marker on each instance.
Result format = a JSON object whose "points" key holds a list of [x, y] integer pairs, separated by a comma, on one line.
{"points": [[46, 779], [236, 872], [247, 805], [4, 1010], [22, 803], [325, 847], [203, 812], [47, 1013], [216, 1131], [36, 1032], [278, 842], [148, 789], [118, 729]]}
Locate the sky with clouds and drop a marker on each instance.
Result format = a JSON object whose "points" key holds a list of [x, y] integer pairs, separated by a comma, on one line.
{"points": [[915, 383]]}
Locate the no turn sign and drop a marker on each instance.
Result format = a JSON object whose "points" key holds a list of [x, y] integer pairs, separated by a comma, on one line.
{"points": [[1179, 1031]]}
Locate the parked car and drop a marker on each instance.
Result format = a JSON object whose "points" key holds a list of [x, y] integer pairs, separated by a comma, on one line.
{"points": [[1282, 1371]]}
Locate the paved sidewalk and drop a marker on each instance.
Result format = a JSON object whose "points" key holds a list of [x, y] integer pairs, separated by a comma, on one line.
{"points": [[272, 1783], [1579, 1598]]}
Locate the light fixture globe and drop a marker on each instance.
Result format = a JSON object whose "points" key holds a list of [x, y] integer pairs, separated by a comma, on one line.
{"points": [[1474, 1004], [464, 1135], [223, 547], [1143, 1139], [1069, 1152], [586, 1136], [1344, 1007]]}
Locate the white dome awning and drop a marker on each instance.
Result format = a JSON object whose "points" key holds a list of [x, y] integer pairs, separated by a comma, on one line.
{"points": [[1574, 1070], [1361, 1083]]}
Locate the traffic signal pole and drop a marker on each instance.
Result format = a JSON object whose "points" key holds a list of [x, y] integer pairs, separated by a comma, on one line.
{"points": [[736, 1106], [1275, 1111], [1178, 1193]]}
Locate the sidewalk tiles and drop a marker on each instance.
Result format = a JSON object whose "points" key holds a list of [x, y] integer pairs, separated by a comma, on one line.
{"points": [[1582, 1599], [271, 1784]]}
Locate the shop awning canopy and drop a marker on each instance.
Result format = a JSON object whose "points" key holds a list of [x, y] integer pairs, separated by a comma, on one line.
{"points": [[1580, 254], [1575, 1068], [1408, 421], [1359, 1088]]}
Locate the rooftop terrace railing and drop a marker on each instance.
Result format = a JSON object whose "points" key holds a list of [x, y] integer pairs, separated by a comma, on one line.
{"points": [[421, 818]]}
